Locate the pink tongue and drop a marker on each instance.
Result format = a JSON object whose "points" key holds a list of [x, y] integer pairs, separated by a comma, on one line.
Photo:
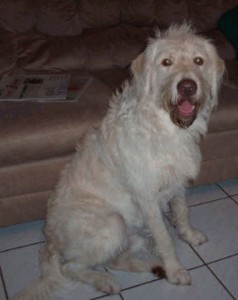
{"points": [[185, 107]]}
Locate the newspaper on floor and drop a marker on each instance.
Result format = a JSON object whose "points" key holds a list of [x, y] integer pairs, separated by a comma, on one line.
{"points": [[42, 87]]}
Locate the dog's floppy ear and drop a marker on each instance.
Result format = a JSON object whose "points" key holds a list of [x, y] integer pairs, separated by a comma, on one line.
{"points": [[221, 70], [137, 65], [217, 77], [221, 66]]}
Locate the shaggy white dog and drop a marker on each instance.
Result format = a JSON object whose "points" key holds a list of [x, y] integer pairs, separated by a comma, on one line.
{"points": [[143, 155]]}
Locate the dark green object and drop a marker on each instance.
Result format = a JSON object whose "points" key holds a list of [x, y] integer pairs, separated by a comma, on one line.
{"points": [[228, 24]]}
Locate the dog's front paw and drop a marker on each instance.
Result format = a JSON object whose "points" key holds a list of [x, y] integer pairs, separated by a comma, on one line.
{"points": [[107, 284], [179, 276], [194, 237]]}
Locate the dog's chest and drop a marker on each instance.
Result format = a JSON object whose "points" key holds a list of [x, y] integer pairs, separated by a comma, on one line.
{"points": [[179, 164], [161, 164]]}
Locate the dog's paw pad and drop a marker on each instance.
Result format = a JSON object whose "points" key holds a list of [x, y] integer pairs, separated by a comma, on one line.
{"points": [[179, 276], [108, 285]]}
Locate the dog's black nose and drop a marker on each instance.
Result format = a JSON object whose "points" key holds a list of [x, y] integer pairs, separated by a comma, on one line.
{"points": [[187, 87]]}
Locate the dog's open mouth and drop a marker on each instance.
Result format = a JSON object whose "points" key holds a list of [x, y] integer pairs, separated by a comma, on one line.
{"points": [[186, 108], [184, 112]]}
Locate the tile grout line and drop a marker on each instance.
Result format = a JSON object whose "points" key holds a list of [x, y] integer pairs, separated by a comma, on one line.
{"points": [[141, 284], [234, 199], [207, 202], [221, 259], [120, 295], [230, 196], [219, 280], [199, 204], [20, 247], [205, 264], [211, 271], [107, 295], [4, 285]]}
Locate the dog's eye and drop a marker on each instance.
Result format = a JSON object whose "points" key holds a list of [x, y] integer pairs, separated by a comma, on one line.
{"points": [[167, 62], [198, 61]]}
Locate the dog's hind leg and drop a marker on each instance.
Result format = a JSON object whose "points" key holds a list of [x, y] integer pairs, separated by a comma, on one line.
{"points": [[127, 262], [137, 258], [101, 280], [98, 249]]}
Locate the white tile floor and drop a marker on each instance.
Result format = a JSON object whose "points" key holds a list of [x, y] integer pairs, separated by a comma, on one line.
{"points": [[213, 266]]}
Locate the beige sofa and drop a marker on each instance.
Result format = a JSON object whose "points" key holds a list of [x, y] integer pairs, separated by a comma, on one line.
{"points": [[96, 38]]}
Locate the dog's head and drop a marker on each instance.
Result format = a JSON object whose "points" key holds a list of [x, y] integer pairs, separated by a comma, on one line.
{"points": [[182, 72]]}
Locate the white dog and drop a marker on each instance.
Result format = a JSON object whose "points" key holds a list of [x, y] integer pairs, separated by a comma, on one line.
{"points": [[143, 155]]}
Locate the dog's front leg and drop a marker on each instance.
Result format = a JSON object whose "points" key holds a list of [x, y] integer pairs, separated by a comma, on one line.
{"points": [[164, 247], [181, 218]]}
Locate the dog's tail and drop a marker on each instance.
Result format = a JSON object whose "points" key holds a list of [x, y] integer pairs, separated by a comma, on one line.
{"points": [[50, 280]]}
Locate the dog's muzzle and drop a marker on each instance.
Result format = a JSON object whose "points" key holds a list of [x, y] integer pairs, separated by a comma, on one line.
{"points": [[184, 112]]}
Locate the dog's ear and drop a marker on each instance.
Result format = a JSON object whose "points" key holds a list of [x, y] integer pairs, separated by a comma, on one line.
{"points": [[221, 66], [137, 65], [221, 71], [217, 77]]}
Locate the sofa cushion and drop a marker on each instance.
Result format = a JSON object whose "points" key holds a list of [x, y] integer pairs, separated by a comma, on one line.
{"points": [[95, 49], [138, 12], [212, 147], [59, 18], [225, 117], [224, 48], [99, 13], [31, 177], [204, 15], [32, 131], [8, 51], [168, 12], [17, 16], [218, 170], [19, 208]]}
